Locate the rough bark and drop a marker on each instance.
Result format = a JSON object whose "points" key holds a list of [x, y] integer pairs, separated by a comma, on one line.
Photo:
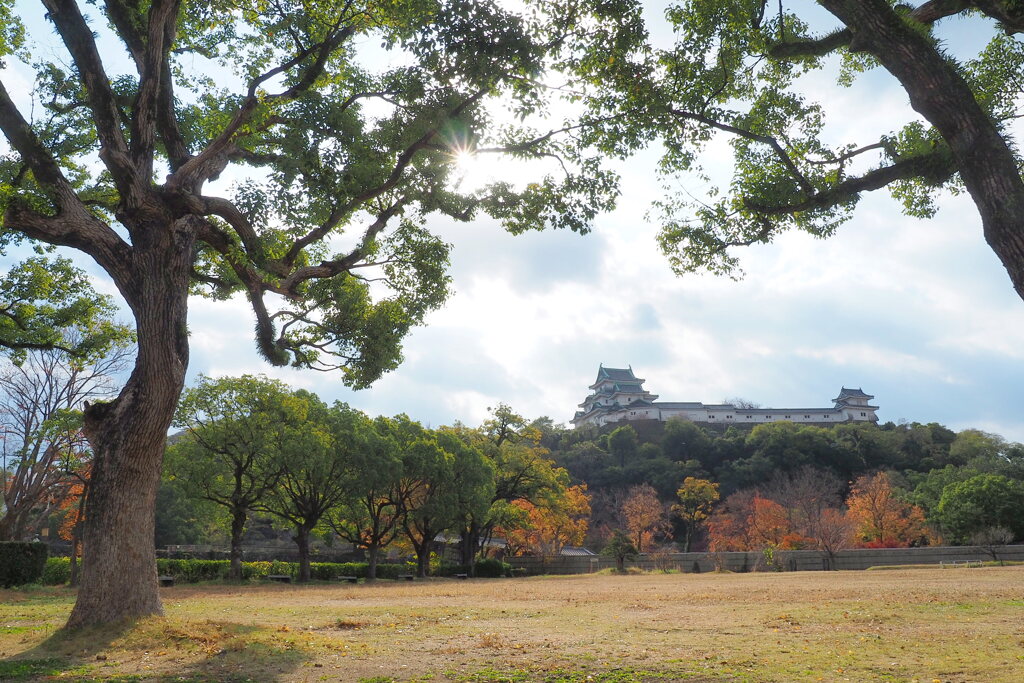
{"points": [[302, 541], [470, 546], [938, 92], [128, 435], [423, 559], [238, 518], [372, 554], [422, 545]]}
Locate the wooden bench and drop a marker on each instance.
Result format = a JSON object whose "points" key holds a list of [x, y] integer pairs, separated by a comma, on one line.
{"points": [[280, 578], [462, 576], [165, 581], [350, 579], [407, 577]]}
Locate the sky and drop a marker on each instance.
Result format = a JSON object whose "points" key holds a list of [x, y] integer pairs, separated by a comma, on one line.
{"points": [[919, 314]]}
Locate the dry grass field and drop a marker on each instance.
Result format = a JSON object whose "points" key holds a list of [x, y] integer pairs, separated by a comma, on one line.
{"points": [[897, 625]]}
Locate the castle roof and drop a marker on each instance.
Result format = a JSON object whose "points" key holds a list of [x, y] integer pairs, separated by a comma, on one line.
{"points": [[639, 402], [851, 393], [675, 405], [606, 375], [616, 374]]}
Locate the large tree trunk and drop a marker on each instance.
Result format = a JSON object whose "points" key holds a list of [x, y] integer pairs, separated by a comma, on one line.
{"points": [[76, 537], [128, 437], [237, 530], [470, 546], [423, 560], [302, 541], [422, 548], [372, 553], [981, 154]]}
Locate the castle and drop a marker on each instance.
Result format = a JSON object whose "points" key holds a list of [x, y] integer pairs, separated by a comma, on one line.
{"points": [[618, 395]]}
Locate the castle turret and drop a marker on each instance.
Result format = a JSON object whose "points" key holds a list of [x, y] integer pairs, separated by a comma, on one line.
{"points": [[853, 404], [613, 390]]}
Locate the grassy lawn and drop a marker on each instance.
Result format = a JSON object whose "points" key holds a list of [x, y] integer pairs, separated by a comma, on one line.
{"points": [[899, 625]]}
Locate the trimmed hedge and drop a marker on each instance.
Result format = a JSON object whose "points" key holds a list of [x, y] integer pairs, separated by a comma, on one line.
{"points": [[490, 568], [450, 569], [57, 571], [191, 571], [21, 563]]}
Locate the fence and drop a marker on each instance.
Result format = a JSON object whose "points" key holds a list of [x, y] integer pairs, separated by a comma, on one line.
{"points": [[786, 560]]}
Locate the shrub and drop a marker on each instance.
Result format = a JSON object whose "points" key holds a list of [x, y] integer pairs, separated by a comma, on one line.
{"points": [[393, 571], [491, 568], [21, 563], [57, 571], [192, 571], [447, 569]]}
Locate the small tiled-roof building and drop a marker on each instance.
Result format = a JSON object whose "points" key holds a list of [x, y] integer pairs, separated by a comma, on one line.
{"points": [[618, 395]]}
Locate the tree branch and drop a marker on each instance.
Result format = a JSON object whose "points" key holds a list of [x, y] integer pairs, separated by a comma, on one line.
{"points": [[337, 266], [79, 39], [811, 47], [213, 159], [73, 225], [805, 184], [404, 159], [163, 16], [934, 167], [35, 155], [932, 11]]}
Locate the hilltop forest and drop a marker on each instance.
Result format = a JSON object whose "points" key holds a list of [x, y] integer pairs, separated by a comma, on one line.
{"points": [[539, 486]]}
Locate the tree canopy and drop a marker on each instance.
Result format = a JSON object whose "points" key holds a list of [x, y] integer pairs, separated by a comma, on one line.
{"points": [[745, 69], [284, 153]]}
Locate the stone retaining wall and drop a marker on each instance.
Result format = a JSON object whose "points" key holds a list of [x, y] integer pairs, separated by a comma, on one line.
{"points": [[791, 560]]}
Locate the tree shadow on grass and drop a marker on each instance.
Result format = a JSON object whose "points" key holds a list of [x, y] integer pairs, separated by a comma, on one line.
{"points": [[156, 649]]}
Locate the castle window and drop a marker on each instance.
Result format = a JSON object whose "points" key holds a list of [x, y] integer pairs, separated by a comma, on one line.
{"points": [[807, 417], [787, 417], [750, 417], [728, 417], [711, 417], [825, 416], [863, 414]]}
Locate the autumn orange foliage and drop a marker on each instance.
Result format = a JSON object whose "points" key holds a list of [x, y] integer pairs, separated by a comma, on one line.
{"points": [[73, 505], [550, 527], [748, 521], [645, 516], [881, 519]]}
